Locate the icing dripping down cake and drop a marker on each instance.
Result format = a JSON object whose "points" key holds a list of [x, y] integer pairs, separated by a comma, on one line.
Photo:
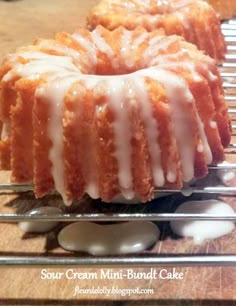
{"points": [[110, 112]]}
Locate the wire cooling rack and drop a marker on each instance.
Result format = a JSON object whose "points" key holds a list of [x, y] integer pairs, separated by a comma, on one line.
{"points": [[228, 73]]}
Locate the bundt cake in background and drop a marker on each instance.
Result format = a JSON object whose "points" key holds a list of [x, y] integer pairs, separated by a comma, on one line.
{"points": [[110, 112], [225, 8], [196, 21]]}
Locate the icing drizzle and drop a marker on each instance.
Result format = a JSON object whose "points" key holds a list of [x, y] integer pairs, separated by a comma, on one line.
{"points": [[122, 92]]}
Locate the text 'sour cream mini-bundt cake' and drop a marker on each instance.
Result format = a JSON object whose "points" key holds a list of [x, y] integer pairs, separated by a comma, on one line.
{"points": [[195, 20], [109, 113]]}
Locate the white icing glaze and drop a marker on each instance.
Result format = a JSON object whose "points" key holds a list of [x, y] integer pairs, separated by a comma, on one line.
{"points": [[125, 45], [156, 44], [88, 46], [142, 4], [151, 129], [197, 78], [178, 95], [40, 226], [166, 62], [92, 187], [203, 230], [116, 99], [40, 55], [128, 5], [171, 174], [185, 23], [4, 132], [54, 92], [118, 89], [139, 40], [35, 69], [153, 21], [213, 124], [101, 44], [226, 175], [187, 192], [111, 239], [31, 55], [211, 76], [164, 6], [161, 6], [173, 60], [205, 144], [91, 180], [52, 45], [122, 200]]}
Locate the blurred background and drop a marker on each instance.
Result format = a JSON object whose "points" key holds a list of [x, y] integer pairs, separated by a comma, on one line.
{"points": [[24, 20]]}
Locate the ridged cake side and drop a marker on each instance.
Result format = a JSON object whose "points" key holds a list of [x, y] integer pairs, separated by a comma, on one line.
{"points": [[110, 112]]}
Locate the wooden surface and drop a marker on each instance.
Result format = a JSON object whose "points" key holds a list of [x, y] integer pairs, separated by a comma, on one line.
{"points": [[21, 22]]}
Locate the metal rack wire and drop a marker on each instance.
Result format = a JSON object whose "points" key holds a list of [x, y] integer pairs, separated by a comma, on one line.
{"points": [[228, 74]]}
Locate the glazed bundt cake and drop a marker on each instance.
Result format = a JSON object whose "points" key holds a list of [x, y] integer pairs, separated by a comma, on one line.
{"points": [[195, 20], [224, 8], [109, 113]]}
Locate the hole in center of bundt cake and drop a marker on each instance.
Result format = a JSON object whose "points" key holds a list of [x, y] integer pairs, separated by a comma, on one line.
{"points": [[116, 68], [119, 65]]}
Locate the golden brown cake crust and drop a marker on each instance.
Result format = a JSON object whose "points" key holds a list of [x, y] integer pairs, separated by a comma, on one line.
{"points": [[111, 112], [196, 21]]}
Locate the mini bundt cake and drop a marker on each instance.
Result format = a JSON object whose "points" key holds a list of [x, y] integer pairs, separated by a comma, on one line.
{"points": [[224, 8], [109, 113], [195, 20]]}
